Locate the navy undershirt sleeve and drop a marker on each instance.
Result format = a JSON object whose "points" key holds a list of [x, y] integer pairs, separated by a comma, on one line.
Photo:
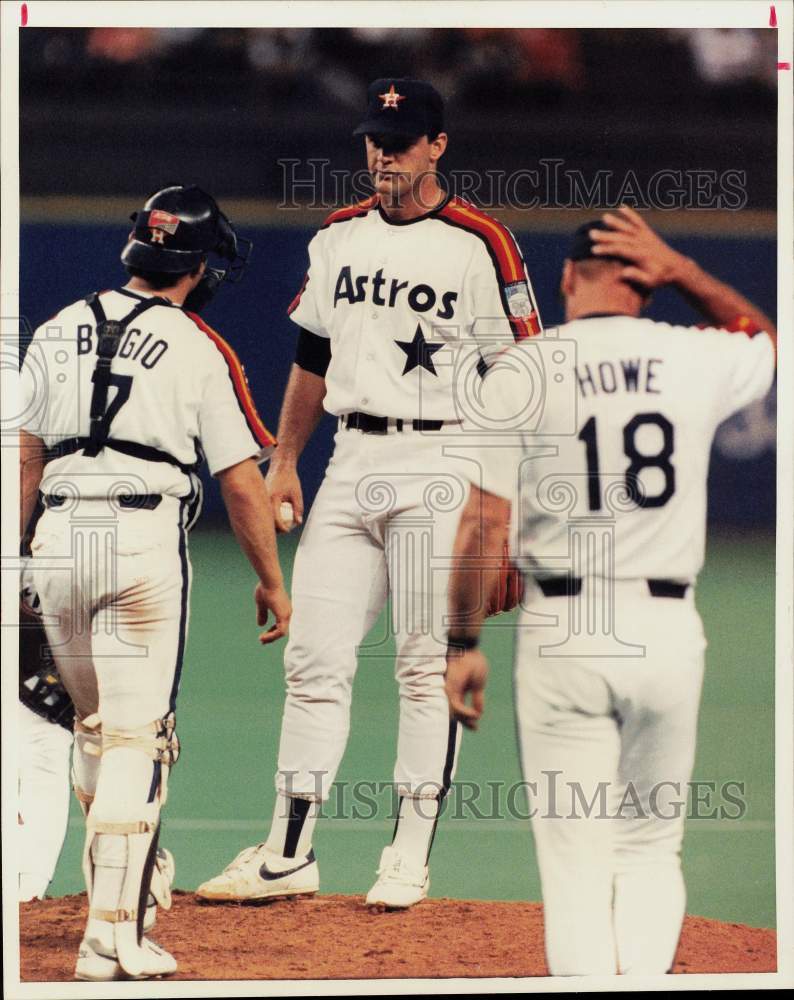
{"points": [[313, 353]]}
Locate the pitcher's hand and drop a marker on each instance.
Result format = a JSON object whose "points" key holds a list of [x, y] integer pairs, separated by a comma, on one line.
{"points": [[284, 487], [277, 603]]}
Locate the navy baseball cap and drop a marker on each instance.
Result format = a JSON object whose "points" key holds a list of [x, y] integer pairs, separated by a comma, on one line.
{"points": [[402, 107], [582, 245]]}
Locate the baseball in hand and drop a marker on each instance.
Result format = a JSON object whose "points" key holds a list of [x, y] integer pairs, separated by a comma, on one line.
{"points": [[287, 515]]}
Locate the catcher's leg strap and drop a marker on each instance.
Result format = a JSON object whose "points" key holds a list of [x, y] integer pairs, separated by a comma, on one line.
{"points": [[158, 740], [105, 852]]}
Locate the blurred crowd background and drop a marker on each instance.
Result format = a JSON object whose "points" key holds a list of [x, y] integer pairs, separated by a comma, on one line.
{"points": [[643, 97], [474, 66]]}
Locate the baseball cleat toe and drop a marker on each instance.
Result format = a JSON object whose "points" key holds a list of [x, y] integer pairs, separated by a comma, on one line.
{"points": [[257, 873]]}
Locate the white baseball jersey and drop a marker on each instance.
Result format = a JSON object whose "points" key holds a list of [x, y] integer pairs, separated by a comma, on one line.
{"points": [[409, 306], [176, 386], [634, 461]]}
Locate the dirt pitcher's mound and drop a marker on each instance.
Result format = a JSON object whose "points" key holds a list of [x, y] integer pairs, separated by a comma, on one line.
{"points": [[336, 937]]}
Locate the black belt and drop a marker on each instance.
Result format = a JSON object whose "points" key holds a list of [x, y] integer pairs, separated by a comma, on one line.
{"points": [[368, 424], [139, 501], [571, 586]]}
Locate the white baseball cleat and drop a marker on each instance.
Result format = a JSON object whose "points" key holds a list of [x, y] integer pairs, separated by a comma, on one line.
{"points": [[400, 884], [259, 873], [98, 965]]}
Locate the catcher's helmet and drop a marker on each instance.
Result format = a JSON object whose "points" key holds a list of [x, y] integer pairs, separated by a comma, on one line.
{"points": [[178, 227]]}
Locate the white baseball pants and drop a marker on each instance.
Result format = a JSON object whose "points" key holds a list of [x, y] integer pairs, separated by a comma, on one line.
{"points": [[607, 744], [44, 753], [114, 586], [377, 526]]}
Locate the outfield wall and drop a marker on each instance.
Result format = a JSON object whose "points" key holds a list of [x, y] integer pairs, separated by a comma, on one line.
{"points": [[62, 260]]}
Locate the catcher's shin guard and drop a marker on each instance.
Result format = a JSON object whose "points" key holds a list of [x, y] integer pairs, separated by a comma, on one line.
{"points": [[141, 852], [157, 742]]}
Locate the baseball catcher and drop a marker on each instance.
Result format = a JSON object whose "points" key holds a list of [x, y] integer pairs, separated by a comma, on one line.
{"points": [[152, 391]]}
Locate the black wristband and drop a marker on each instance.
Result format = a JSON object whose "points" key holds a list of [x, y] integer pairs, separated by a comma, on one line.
{"points": [[462, 642]]}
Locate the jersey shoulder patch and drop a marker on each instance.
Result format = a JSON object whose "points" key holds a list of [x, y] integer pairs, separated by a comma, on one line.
{"points": [[507, 260]]}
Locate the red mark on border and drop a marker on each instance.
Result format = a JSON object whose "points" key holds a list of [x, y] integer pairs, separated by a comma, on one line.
{"points": [[23, 14], [773, 24]]}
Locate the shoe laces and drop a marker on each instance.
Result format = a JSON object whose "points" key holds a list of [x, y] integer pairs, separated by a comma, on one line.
{"points": [[398, 868], [243, 858], [396, 865]]}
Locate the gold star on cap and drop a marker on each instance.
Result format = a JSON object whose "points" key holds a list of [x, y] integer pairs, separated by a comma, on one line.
{"points": [[392, 99]]}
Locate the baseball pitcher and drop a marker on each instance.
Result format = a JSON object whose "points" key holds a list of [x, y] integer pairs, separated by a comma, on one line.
{"points": [[407, 293]]}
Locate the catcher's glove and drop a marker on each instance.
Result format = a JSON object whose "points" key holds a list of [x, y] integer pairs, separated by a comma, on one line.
{"points": [[508, 589], [40, 687]]}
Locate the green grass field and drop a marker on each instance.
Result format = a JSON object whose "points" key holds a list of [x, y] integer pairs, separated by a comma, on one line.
{"points": [[221, 792]]}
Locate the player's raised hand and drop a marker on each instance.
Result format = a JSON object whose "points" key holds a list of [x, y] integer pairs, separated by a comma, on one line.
{"points": [[286, 496], [277, 603], [467, 673], [653, 262]]}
